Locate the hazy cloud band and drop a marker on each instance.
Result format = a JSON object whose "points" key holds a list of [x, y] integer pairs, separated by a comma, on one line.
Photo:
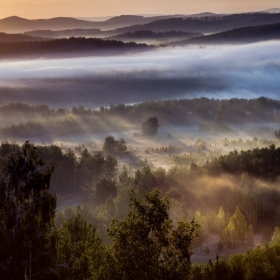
{"points": [[221, 72]]}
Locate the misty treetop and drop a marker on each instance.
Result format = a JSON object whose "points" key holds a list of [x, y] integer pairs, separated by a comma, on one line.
{"points": [[112, 145], [72, 173], [150, 126], [24, 121]]}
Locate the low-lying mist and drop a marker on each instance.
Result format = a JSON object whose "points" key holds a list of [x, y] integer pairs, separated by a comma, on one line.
{"points": [[217, 71]]}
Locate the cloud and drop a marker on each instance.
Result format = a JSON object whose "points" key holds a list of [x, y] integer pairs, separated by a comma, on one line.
{"points": [[245, 71]]}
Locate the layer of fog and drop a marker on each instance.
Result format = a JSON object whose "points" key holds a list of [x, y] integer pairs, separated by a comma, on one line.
{"points": [[245, 71]]}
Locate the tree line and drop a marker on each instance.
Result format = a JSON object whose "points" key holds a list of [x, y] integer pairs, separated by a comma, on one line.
{"points": [[209, 114]]}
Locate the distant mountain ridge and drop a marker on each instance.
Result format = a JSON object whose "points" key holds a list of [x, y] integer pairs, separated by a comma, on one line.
{"points": [[15, 24], [66, 33], [202, 23], [237, 36], [150, 35], [273, 10], [72, 47], [4, 37], [211, 24]]}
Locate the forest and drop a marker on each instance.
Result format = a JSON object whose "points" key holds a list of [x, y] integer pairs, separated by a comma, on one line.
{"points": [[238, 36], [67, 47], [123, 213], [21, 120]]}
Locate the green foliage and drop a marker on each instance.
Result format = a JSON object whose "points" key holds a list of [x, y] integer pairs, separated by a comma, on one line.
{"points": [[145, 245], [92, 168], [27, 209], [262, 163], [275, 240], [258, 264], [79, 250], [235, 231], [104, 189], [144, 180]]}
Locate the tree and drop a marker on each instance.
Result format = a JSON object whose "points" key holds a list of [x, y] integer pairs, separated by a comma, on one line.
{"points": [[275, 239], [146, 245], [144, 180], [150, 126], [27, 210], [111, 145], [277, 133], [110, 166], [219, 118], [220, 221], [104, 189], [79, 250], [235, 231]]}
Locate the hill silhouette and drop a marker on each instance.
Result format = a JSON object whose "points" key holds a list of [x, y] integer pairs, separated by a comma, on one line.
{"points": [[206, 25], [15, 24], [72, 47], [273, 10], [4, 37], [237, 36], [79, 32], [150, 35]]}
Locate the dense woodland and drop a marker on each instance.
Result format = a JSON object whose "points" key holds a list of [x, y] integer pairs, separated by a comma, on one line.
{"points": [[238, 35], [24, 121], [150, 35], [65, 47], [211, 24], [147, 208]]}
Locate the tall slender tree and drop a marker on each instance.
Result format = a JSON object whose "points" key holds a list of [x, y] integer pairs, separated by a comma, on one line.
{"points": [[27, 210]]}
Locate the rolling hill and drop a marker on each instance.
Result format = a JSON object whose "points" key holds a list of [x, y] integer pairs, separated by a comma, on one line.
{"points": [[65, 33], [237, 36], [146, 35], [273, 10], [16, 24], [206, 25], [4, 37], [73, 47]]}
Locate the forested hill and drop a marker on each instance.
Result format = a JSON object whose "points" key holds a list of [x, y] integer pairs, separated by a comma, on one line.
{"points": [[67, 48], [148, 35], [206, 25], [260, 163], [4, 37], [240, 35], [77, 32]]}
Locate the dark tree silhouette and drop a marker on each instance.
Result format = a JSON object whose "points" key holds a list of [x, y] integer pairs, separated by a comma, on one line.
{"points": [[150, 126], [27, 210]]}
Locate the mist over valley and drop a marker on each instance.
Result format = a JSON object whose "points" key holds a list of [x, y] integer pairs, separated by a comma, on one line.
{"points": [[140, 146], [215, 71]]}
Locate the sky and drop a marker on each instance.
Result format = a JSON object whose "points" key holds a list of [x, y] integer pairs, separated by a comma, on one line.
{"points": [[90, 8]]}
